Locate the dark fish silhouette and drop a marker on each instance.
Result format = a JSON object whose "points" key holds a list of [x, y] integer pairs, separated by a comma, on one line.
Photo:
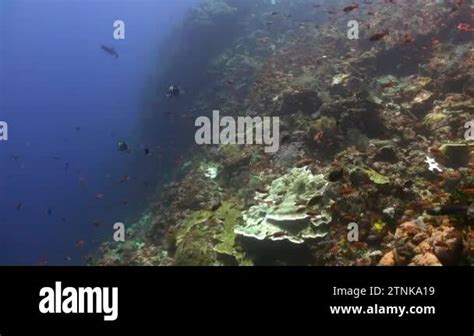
{"points": [[173, 91], [80, 243], [123, 147], [110, 51], [350, 8], [43, 261], [124, 179], [379, 36], [446, 210]]}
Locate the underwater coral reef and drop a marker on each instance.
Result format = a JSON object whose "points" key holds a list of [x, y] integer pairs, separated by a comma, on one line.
{"points": [[372, 138]]}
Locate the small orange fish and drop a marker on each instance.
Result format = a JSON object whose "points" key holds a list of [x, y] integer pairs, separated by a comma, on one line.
{"points": [[80, 243], [350, 218], [279, 234], [435, 150], [124, 179], [379, 36], [350, 8], [425, 203], [318, 137], [43, 261], [465, 28], [347, 190], [469, 191], [452, 175], [408, 38], [390, 84]]}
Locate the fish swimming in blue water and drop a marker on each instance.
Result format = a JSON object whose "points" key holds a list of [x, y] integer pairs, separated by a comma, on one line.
{"points": [[123, 147], [110, 50], [173, 91]]}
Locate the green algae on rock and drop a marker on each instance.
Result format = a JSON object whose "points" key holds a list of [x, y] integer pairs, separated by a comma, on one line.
{"points": [[376, 177], [208, 238], [192, 244]]}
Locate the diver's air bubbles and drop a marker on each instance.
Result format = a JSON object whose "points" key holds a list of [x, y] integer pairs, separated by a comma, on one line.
{"points": [[353, 234], [353, 31], [3, 131], [469, 135], [119, 31], [119, 234]]}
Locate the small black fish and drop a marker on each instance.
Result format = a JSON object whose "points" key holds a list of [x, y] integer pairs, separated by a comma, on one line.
{"points": [[452, 210], [123, 147], [379, 36], [147, 151], [19, 206], [77, 128], [50, 212], [336, 175], [110, 50], [350, 8]]}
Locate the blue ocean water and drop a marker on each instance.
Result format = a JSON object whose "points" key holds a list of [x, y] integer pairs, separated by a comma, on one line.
{"points": [[67, 104]]}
